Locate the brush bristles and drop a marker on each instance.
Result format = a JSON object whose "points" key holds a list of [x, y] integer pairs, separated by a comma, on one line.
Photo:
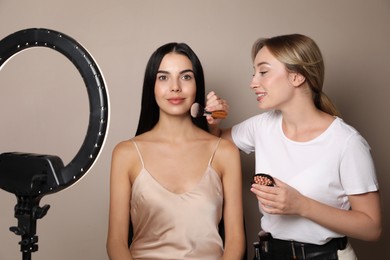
{"points": [[196, 110]]}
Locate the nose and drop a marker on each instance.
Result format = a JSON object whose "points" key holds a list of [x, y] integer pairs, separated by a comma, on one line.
{"points": [[254, 83], [175, 87]]}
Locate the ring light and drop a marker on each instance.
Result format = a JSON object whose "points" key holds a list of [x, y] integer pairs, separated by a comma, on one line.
{"points": [[97, 93], [31, 176]]}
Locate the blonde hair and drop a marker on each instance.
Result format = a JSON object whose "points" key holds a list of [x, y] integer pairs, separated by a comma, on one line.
{"points": [[300, 54]]}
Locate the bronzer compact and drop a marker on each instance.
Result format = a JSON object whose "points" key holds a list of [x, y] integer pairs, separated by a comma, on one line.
{"points": [[263, 179]]}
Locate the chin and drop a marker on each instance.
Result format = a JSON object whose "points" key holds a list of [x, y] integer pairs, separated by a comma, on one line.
{"points": [[261, 106], [265, 107]]}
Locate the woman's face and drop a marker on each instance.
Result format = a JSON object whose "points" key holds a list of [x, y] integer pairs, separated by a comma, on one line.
{"points": [[175, 86], [270, 81]]}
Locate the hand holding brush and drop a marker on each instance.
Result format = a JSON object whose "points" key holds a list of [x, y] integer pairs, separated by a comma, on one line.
{"points": [[197, 111]]}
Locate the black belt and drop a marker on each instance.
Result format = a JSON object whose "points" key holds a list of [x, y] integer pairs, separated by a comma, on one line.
{"points": [[270, 248]]}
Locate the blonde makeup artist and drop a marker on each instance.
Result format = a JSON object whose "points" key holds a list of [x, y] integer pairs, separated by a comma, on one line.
{"points": [[325, 182]]}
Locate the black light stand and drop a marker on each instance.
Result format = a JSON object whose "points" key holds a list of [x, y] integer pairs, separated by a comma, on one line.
{"points": [[27, 211], [32, 176], [29, 176]]}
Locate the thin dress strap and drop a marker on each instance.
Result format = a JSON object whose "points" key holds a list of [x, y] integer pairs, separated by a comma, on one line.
{"points": [[215, 149], [139, 153]]}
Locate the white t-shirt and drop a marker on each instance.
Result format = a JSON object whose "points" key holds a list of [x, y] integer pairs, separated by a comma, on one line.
{"points": [[328, 168]]}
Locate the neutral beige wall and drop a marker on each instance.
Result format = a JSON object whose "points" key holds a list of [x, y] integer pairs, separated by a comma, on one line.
{"points": [[43, 104]]}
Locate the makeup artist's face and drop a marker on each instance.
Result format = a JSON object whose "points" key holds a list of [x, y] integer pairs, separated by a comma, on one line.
{"points": [[175, 86], [270, 81]]}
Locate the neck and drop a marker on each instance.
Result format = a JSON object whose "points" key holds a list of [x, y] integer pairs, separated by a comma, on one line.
{"points": [[300, 109], [300, 115], [174, 129], [305, 124]]}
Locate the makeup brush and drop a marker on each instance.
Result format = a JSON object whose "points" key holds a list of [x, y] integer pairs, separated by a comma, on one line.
{"points": [[198, 111]]}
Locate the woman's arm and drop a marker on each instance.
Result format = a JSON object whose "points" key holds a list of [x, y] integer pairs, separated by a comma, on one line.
{"points": [[229, 161], [119, 214], [362, 221]]}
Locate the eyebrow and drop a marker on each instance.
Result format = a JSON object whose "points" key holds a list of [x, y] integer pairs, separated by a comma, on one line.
{"points": [[181, 72], [262, 63]]}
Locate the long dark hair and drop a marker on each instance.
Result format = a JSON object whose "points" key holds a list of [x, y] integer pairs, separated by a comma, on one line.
{"points": [[150, 112]]}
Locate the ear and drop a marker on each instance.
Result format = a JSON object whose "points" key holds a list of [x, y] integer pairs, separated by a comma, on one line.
{"points": [[297, 79]]}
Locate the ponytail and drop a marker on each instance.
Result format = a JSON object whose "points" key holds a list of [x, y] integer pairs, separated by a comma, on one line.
{"points": [[323, 103]]}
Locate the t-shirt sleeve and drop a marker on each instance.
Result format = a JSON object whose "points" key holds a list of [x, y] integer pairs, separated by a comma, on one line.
{"points": [[243, 135], [357, 168]]}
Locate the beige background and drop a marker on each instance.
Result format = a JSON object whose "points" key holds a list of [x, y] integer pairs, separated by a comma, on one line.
{"points": [[44, 105]]}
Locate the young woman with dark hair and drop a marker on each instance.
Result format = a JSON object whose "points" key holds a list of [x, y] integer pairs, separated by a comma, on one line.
{"points": [[174, 181], [149, 108]]}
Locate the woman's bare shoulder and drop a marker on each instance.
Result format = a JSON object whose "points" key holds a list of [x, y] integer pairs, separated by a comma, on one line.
{"points": [[226, 160], [125, 158], [125, 146], [126, 151], [226, 154], [228, 147]]}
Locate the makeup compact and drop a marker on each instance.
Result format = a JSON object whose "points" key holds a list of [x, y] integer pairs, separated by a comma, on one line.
{"points": [[263, 179]]}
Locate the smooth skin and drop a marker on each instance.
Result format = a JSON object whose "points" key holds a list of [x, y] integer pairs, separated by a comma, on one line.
{"points": [[174, 153], [288, 92]]}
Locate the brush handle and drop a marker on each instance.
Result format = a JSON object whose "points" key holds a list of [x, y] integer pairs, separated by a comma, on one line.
{"points": [[219, 114]]}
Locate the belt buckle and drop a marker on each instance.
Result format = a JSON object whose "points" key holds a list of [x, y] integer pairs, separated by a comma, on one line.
{"points": [[264, 238]]}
